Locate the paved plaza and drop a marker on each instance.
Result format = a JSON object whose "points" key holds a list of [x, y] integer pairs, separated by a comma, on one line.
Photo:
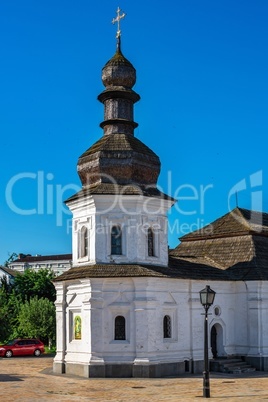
{"points": [[31, 380]]}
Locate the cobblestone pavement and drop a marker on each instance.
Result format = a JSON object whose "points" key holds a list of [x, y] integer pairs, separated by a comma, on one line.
{"points": [[31, 379]]}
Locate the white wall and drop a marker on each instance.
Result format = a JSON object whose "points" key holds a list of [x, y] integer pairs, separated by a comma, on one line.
{"points": [[144, 302], [100, 213]]}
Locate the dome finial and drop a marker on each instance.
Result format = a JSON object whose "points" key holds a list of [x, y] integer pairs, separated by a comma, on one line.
{"points": [[118, 33]]}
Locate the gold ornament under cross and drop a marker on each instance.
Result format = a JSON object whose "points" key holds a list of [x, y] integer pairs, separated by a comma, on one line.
{"points": [[117, 19]]}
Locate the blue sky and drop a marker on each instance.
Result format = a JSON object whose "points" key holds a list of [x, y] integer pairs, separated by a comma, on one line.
{"points": [[202, 74]]}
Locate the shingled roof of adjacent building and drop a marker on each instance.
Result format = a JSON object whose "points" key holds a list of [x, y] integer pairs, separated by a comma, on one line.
{"points": [[236, 243], [237, 222], [241, 257]]}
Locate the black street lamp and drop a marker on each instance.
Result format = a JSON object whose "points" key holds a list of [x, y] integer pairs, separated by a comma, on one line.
{"points": [[207, 296]]}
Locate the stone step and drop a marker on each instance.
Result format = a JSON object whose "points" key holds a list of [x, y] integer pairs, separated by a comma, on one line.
{"points": [[242, 370], [238, 367], [238, 370], [227, 359], [232, 366]]}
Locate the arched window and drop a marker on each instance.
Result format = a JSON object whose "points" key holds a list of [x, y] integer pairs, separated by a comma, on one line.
{"points": [[83, 242], [116, 240], [150, 238], [120, 328], [167, 326]]}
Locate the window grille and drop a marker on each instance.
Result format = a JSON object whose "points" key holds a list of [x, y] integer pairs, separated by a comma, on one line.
{"points": [[150, 242], [167, 326], [116, 240], [120, 328]]}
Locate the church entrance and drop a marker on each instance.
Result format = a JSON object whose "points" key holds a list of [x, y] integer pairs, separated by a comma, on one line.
{"points": [[216, 341]]}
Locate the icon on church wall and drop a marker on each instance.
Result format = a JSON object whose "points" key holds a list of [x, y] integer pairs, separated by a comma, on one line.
{"points": [[77, 327]]}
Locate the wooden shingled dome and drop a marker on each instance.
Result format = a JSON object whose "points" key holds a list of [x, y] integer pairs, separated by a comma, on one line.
{"points": [[118, 157]]}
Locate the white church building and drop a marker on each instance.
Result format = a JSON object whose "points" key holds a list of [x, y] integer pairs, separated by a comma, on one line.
{"points": [[129, 306]]}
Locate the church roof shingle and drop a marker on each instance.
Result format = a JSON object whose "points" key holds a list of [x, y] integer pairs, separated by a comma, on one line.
{"points": [[120, 142], [115, 189], [237, 222], [182, 269]]}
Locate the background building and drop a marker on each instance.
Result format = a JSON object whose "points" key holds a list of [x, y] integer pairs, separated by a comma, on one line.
{"points": [[57, 263], [8, 274]]}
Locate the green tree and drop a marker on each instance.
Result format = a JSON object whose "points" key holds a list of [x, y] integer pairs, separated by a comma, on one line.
{"points": [[6, 286], [37, 318], [14, 305], [20, 312], [9, 308], [35, 283], [5, 325]]}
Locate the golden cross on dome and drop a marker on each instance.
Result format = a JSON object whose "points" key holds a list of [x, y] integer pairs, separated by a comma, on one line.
{"points": [[117, 19]]}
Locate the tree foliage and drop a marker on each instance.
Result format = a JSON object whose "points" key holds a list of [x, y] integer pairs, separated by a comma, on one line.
{"points": [[35, 283], [27, 306], [9, 308], [5, 327], [37, 319], [5, 285]]}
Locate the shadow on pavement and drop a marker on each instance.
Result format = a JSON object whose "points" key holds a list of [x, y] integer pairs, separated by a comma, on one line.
{"points": [[8, 377]]}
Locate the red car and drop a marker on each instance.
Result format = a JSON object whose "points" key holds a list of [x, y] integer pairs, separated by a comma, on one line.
{"points": [[22, 347]]}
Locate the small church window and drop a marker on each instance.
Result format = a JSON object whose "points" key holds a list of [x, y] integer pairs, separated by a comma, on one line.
{"points": [[167, 326], [116, 240], [84, 242], [120, 328], [150, 237], [217, 311]]}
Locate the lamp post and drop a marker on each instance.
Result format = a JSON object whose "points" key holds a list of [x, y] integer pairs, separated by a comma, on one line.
{"points": [[207, 296]]}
